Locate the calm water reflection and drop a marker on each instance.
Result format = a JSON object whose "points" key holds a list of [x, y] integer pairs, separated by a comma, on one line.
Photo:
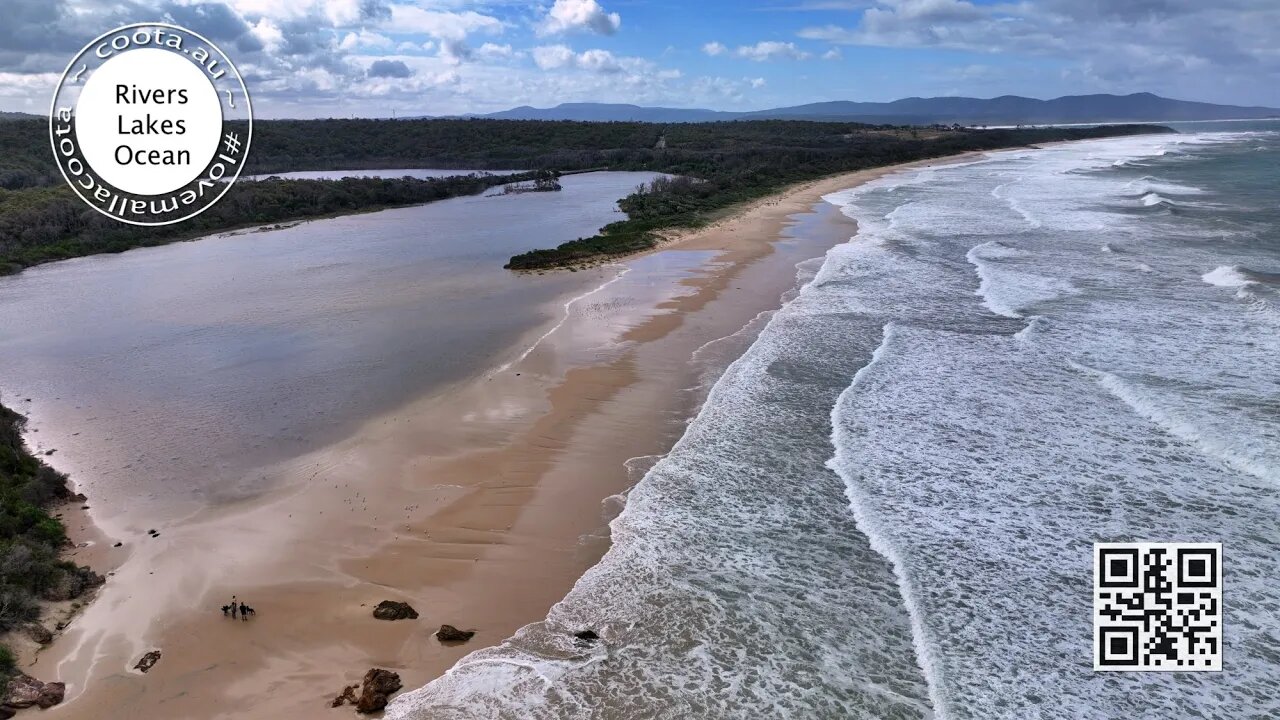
{"points": [[165, 376]]}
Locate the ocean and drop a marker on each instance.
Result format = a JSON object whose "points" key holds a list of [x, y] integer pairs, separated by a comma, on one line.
{"points": [[886, 506]]}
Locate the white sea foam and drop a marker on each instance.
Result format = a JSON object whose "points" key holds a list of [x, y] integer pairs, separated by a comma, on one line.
{"points": [[990, 462], [1152, 184], [1257, 456], [1226, 276], [870, 522], [1007, 290]]}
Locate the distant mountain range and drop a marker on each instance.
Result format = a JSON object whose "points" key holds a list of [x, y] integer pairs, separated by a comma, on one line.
{"points": [[1004, 110]]}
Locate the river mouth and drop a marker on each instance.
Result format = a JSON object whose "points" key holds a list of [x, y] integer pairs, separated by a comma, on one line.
{"points": [[166, 379]]}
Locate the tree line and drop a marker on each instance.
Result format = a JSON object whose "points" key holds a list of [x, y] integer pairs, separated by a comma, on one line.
{"points": [[41, 220]]}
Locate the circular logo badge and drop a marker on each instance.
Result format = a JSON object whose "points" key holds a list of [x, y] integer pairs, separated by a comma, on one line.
{"points": [[150, 124]]}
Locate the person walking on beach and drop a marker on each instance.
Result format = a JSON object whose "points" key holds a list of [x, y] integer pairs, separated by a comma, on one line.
{"points": [[244, 611], [233, 607]]}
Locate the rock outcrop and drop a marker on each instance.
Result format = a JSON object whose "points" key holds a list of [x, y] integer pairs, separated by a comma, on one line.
{"points": [[348, 695], [25, 691], [376, 689], [393, 610], [148, 661], [449, 633]]}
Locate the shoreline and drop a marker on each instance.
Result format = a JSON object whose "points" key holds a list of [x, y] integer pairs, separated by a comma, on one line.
{"points": [[497, 536]]}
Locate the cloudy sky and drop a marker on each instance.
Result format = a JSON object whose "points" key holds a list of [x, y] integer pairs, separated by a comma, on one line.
{"points": [[339, 58]]}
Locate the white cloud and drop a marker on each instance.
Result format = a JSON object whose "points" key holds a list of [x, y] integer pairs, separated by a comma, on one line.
{"points": [[557, 57], [365, 39], [20, 84], [438, 24], [339, 13], [599, 61], [490, 51], [579, 16], [268, 33], [309, 57], [1222, 52], [771, 50], [553, 57]]}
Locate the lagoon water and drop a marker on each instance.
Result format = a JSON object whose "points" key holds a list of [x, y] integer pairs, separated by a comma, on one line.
{"points": [[887, 505], [419, 173], [165, 378]]}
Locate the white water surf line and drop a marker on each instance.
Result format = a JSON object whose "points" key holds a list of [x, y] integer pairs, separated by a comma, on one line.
{"points": [[866, 524], [1178, 427]]}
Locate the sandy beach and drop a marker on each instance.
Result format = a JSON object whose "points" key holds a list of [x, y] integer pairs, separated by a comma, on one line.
{"points": [[479, 505]]}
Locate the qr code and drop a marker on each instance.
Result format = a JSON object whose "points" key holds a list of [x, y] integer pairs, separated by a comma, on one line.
{"points": [[1157, 606]]}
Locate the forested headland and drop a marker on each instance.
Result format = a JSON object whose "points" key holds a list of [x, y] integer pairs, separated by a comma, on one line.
{"points": [[727, 163]]}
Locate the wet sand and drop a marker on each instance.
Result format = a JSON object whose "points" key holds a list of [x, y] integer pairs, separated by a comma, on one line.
{"points": [[479, 505]]}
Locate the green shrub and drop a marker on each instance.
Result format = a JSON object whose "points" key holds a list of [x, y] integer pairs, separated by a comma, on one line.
{"points": [[31, 539]]}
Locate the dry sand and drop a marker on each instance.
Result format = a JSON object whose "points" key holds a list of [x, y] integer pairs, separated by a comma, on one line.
{"points": [[479, 505]]}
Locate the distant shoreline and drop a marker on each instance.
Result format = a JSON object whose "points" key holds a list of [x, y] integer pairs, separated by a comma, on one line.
{"points": [[1129, 122], [703, 197]]}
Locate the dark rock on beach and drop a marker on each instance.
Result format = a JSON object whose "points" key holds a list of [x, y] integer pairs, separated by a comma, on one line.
{"points": [[376, 689], [587, 635], [148, 661], [25, 691], [348, 695], [449, 633], [393, 610]]}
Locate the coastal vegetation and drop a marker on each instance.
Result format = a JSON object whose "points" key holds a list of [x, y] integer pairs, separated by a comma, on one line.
{"points": [[727, 163], [31, 540]]}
